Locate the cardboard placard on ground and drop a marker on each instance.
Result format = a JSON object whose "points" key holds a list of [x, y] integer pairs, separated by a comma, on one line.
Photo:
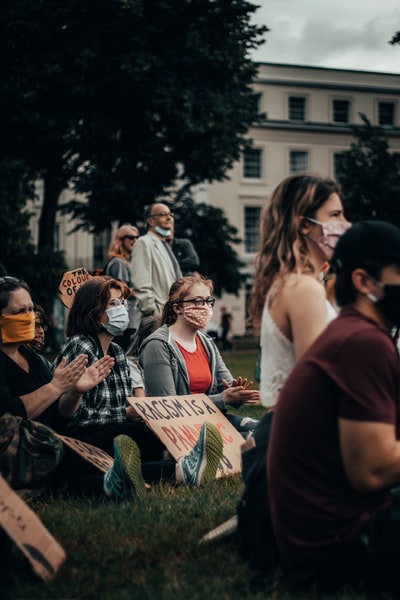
{"points": [[92, 454], [27, 531], [177, 420], [70, 284]]}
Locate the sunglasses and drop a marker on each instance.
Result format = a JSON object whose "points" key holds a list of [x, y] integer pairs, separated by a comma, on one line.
{"points": [[163, 214], [131, 237], [8, 279]]}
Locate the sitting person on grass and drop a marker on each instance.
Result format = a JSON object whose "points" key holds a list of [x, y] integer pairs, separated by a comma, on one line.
{"points": [[180, 358], [334, 455], [102, 414]]}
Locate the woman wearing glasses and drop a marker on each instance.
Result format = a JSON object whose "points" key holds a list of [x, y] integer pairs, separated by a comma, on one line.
{"points": [[180, 358], [103, 414], [30, 390], [118, 267]]}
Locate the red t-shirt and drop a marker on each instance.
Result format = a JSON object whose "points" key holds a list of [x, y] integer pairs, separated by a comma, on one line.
{"points": [[351, 371], [198, 368]]}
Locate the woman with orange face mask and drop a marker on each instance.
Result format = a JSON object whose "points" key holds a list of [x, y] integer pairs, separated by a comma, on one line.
{"points": [[20, 393], [29, 390]]}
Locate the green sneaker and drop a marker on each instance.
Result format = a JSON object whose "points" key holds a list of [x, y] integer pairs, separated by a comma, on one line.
{"points": [[124, 481], [199, 467]]}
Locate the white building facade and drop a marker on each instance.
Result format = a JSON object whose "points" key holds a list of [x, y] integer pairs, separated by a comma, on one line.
{"points": [[309, 114], [308, 117]]}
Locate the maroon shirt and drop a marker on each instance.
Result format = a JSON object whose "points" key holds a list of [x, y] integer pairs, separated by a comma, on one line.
{"points": [[352, 372]]}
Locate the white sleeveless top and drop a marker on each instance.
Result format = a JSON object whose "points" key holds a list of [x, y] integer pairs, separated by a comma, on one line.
{"points": [[277, 356]]}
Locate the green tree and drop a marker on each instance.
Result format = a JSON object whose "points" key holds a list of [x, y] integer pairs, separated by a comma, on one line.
{"points": [[213, 237], [118, 102], [42, 271], [370, 176]]}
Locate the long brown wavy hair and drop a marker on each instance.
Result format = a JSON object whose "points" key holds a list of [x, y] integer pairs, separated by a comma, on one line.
{"points": [[295, 198]]}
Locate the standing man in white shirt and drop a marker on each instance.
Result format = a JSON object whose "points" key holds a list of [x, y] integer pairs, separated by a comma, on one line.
{"points": [[154, 265]]}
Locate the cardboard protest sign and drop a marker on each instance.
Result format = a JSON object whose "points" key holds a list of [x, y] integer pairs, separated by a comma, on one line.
{"points": [[27, 531], [100, 459], [70, 284], [177, 420]]}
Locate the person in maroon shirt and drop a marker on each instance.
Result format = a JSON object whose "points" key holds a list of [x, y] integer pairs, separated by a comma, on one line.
{"points": [[334, 456]]}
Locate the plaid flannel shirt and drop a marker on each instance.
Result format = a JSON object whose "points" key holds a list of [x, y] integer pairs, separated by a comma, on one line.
{"points": [[106, 403]]}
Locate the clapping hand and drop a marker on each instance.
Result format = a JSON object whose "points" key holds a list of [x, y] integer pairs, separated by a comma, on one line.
{"points": [[239, 392], [94, 374]]}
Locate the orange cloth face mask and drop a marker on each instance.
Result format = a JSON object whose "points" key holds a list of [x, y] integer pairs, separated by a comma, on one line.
{"points": [[16, 329]]}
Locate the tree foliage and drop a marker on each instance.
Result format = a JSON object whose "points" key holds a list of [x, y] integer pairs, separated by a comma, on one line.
{"points": [[41, 270], [370, 176], [120, 101], [213, 237]]}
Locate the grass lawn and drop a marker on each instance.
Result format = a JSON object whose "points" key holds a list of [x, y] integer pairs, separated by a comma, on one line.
{"points": [[151, 551]]}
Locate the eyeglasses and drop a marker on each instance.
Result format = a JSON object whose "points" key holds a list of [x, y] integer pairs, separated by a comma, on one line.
{"points": [[131, 237], [8, 279], [163, 214], [199, 301], [117, 302]]}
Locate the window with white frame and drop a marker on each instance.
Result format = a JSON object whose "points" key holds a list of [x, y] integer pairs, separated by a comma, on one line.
{"points": [[337, 165], [341, 111], [251, 228], [298, 161], [386, 113], [252, 163], [297, 108]]}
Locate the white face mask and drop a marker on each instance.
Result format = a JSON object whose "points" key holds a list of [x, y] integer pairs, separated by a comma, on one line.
{"points": [[162, 231], [118, 320]]}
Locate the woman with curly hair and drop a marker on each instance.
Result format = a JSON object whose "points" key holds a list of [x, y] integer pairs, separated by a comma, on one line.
{"points": [[298, 232]]}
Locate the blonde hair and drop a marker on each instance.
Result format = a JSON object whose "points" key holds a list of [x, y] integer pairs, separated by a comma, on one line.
{"points": [[116, 247], [283, 248]]}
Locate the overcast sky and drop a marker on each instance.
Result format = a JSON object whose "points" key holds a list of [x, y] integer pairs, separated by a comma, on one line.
{"points": [[346, 34]]}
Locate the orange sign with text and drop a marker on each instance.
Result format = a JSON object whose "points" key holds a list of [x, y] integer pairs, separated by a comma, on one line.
{"points": [[70, 284], [177, 420]]}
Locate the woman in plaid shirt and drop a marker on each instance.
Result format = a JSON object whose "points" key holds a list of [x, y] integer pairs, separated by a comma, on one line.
{"points": [[98, 314]]}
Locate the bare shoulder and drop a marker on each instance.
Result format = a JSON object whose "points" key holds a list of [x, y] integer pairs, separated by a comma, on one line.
{"points": [[301, 285]]}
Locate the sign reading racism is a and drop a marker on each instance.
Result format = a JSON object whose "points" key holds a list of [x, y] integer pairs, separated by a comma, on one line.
{"points": [[177, 420]]}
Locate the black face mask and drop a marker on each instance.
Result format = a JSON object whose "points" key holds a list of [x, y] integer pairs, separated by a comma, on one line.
{"points": [[389, 305]]}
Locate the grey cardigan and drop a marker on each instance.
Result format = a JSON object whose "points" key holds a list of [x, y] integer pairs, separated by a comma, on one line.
{"points": [[165, 372]]}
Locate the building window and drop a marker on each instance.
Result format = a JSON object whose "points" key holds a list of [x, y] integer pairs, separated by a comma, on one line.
{"points": [[338, 165], [386, 113], [298, 161], [341, 111], [251, 228], [297, 108], [56, 238], [252, 163], [101, 242]]}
